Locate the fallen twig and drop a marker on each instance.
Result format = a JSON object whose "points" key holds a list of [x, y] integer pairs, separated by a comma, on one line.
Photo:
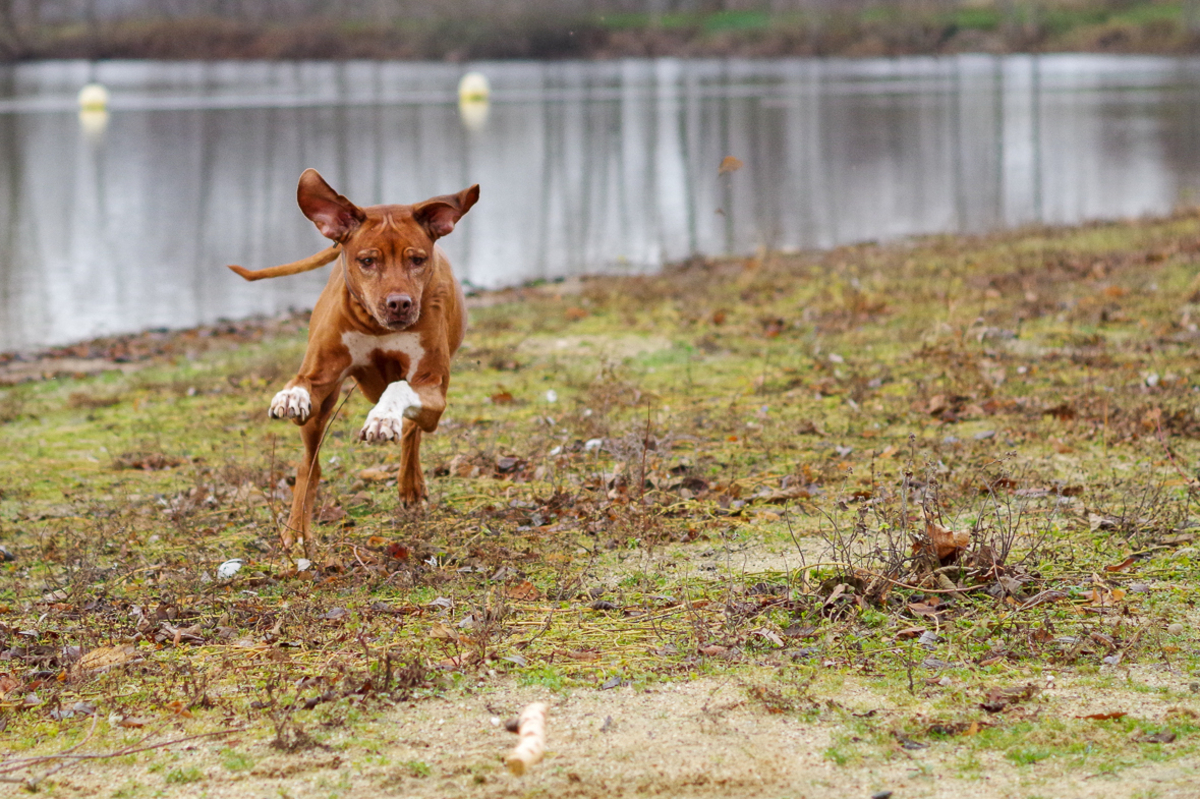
{"points": [[531, 726]]}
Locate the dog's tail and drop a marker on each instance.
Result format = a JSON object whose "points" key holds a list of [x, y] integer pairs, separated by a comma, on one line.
{"points": [[296, 267]]}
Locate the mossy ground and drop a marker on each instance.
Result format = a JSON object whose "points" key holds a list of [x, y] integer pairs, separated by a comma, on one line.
{"points": [[735, 474]]}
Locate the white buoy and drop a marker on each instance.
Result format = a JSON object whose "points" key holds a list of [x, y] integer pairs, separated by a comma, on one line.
{"points": [[473, 113], [473, 92], [473, 87], [93, 122], [93, 97]]}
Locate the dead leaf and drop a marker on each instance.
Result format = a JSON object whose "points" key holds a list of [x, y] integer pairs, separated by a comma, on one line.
{"points": [[461, 466], [508, 463], [328, 514], [713, 650], [998, 699], [377, 474], [523, 591], [730, 164], [502, 398], [8, 684], [1063, 412], [929, 608], [944, 543], [179, 708], [770, 635], [146, 461], [397, 551], [1125, 564], [442, 632], [1161, 737], [105, 658], [135, 721], [1117, 714]]}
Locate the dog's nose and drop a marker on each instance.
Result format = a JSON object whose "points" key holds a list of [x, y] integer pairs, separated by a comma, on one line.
{"points": [[399, 303]]}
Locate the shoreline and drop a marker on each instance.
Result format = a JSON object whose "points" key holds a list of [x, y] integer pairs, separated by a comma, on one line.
{"points": [[1141, 28], [132, 351]]}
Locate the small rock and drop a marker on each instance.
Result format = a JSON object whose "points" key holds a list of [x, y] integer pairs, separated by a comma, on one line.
{"points": [[1175, 629], [929, 639], [229, 568]]}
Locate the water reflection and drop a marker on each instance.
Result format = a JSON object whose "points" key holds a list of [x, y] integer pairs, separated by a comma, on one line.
{"points": [[124, 222]]}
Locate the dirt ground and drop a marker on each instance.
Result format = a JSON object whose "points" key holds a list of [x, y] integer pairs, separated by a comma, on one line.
{"points": [[701, 738]]}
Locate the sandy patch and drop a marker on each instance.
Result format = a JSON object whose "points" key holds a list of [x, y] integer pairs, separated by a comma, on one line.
{"points": [[697, 739]]}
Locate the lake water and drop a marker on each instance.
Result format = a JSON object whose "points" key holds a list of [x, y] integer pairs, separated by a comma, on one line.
{"points": [[124, 221]]}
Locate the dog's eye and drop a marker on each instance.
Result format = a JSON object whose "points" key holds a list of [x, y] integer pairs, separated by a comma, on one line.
{"points": [[418, 260], [366, 263]]}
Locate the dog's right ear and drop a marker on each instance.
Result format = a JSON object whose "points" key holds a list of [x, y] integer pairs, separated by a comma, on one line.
{"points": [[334, 215]]}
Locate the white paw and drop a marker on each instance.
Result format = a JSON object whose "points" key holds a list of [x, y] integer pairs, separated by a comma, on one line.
{"points": [[291, 403], [386, 420]]}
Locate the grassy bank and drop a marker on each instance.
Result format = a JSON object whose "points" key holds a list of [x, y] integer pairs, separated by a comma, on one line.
{"points": [[867, 30], [912, 517]]}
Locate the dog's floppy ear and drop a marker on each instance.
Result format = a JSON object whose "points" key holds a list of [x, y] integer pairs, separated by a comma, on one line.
{"points": [[333, 214], [439, 214]]}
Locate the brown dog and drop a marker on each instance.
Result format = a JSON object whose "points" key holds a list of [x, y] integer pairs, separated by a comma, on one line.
{"points": [[391, 316]]}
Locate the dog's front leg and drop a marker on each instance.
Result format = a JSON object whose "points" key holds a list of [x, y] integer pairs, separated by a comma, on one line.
{"points": [[403, 411], [308, 477], [308, 400], [421, 404]]}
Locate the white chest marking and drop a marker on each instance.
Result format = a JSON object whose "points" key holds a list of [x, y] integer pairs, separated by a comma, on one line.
{"points": [[361, 347]]}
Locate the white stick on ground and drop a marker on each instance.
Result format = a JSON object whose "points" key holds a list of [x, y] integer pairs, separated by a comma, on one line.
{"points": [[531, 726]]}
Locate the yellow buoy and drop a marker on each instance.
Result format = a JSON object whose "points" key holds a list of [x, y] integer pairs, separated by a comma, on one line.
{"points": [[473, 88], [93, 97]]}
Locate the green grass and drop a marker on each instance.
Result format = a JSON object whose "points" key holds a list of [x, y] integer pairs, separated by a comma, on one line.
{"points": [[776, 432]]}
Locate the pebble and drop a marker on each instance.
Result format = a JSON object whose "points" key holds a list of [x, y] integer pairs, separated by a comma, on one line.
{"points": [[1175, 629], [229, 568]]}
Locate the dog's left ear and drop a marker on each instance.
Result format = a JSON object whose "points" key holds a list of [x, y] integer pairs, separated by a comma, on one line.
{"points": [[439, 214]]}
